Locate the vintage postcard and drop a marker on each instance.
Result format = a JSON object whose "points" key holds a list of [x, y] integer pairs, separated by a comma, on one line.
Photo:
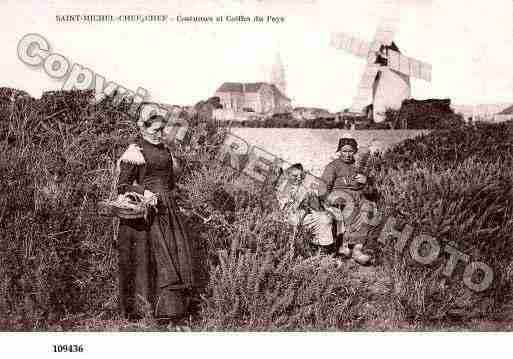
{"points": [[256, 166]]}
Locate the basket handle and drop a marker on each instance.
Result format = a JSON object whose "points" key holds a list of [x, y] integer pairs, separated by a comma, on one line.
{"points": [[136, 195]]}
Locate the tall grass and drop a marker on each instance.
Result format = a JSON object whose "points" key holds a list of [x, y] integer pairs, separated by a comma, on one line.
{"points": [[58, 255], [459, 191]]}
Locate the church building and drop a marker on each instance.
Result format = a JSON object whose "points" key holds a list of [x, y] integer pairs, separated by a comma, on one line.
{"points": [[259, 97]]}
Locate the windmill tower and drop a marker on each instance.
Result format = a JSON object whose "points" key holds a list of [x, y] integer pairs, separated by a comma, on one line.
{"points": [[277, 75], [385, 82]]}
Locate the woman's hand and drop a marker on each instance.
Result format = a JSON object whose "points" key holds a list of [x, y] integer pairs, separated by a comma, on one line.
{"points": [[360, 178]]}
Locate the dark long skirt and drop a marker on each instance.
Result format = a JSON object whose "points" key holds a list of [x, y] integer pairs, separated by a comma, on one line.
{"points": [[155, 270]]}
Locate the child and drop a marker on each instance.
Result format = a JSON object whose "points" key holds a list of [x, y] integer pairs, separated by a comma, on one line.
{"points": [[301, 209]]}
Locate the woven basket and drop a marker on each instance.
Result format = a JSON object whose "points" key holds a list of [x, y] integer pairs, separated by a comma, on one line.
{"points": [[130, 205]]}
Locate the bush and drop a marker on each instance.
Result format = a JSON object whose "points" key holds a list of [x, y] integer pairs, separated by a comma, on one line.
{"points": [[274, 290], [57, 254], [442, 149], [451, 186], [424, 114]]}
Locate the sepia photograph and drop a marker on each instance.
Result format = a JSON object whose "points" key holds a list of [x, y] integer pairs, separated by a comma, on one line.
{"points": [[238, 166]]}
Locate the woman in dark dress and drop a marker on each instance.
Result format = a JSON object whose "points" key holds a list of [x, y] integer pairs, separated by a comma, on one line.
{"points": [[155, 272], [343, 176]]}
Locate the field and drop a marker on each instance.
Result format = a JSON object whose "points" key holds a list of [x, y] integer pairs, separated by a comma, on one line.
{"points": [[315, 147], [58, 257]]}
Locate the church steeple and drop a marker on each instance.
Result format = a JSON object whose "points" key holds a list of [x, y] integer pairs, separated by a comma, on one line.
{"points": [[278, 74]]}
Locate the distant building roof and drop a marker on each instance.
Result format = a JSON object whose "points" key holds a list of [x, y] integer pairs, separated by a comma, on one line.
{"points": [[507, 111], [253, 87], [230, 87], [247, 87]]}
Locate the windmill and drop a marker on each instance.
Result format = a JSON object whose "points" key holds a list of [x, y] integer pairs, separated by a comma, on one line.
{"points": [[386, 77]]}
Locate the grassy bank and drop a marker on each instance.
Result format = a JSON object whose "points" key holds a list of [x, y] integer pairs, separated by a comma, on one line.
{"points": [[58, 255]]}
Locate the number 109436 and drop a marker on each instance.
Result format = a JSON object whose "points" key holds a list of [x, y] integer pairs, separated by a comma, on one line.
{"points": [[71, 348]]}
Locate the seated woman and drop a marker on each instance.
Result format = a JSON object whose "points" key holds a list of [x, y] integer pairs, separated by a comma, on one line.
{"points": [[344, 181]]}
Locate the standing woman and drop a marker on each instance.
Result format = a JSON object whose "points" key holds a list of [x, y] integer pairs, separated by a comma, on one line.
{"points": [[155, 271]]}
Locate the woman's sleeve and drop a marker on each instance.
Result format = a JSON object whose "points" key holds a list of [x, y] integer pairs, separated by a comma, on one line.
{"points": [[130, 167]]}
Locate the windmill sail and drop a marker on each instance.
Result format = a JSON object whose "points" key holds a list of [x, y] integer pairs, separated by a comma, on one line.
{"points": [[364, 94], [425, 71], [408, 66], [350, 44]]}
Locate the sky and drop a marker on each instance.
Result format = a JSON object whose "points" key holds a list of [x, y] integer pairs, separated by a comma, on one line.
{"points": [[468, 43]]}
